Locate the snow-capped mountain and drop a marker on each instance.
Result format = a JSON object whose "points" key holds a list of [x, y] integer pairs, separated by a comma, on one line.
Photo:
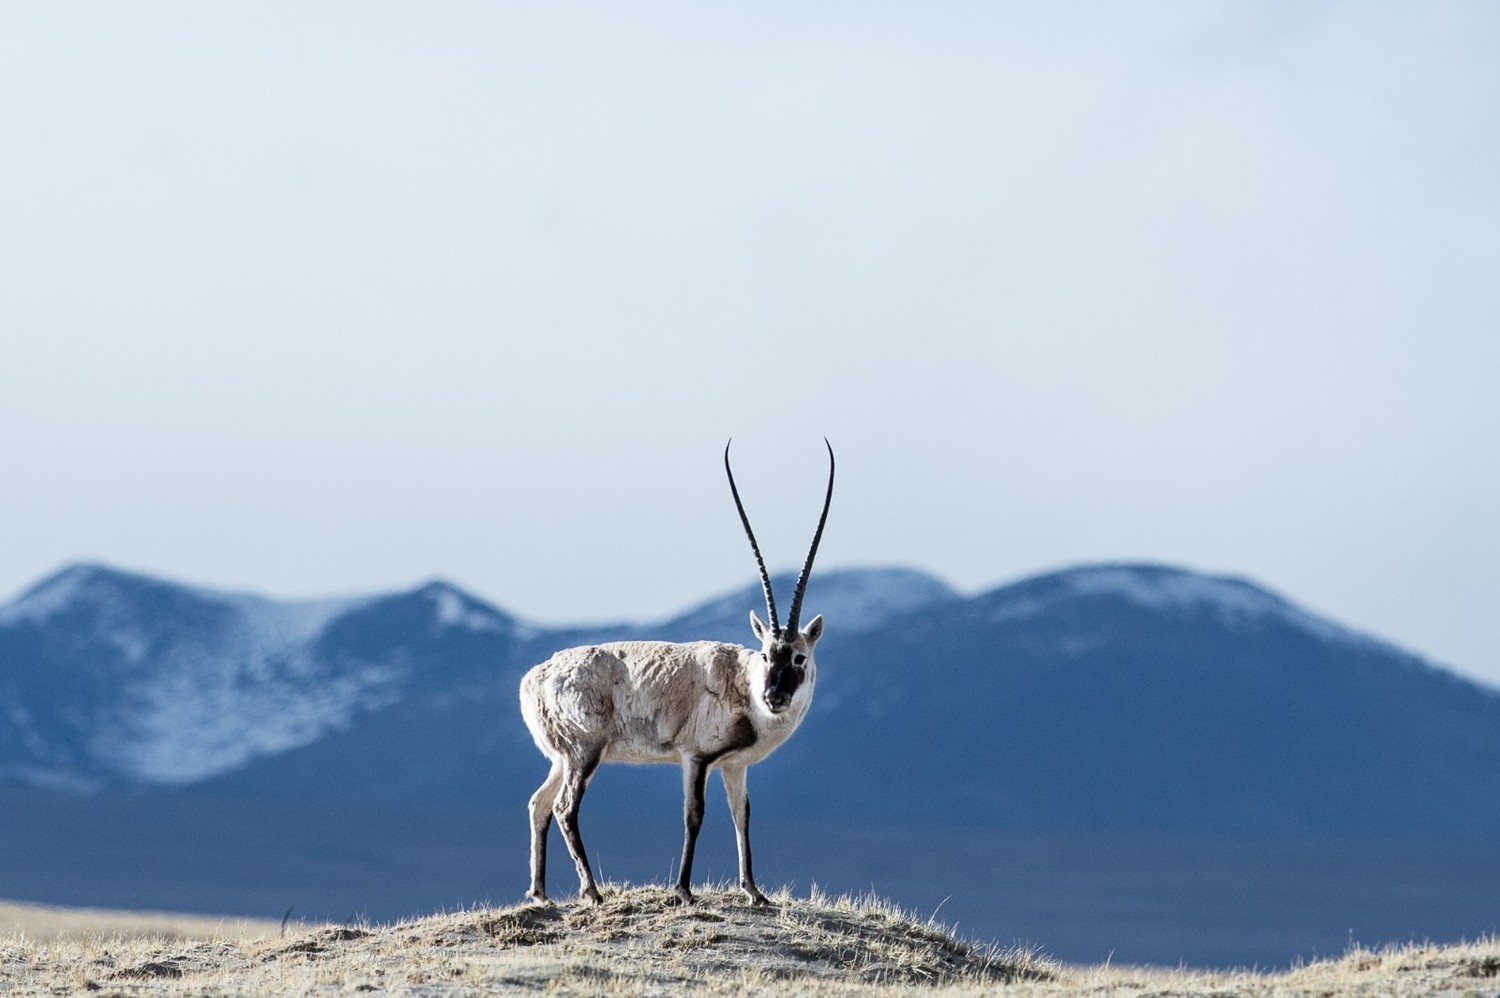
{"points": [[1128, 696], [1148, 697], [108, 677]]}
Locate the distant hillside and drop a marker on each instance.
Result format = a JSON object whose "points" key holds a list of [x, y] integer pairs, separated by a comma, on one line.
{"points": [[114, 679], [1141, 697], [1135, 697]]}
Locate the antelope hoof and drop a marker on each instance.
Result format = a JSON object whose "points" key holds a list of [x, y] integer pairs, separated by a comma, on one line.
{"points": [[685, 896], [755, 897], [591, 895], [537, 894]]}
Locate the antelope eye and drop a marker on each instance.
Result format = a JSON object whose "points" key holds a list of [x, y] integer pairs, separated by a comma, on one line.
{"points": [[800, 659]]}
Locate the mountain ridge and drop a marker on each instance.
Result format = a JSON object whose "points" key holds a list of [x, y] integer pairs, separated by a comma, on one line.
{"points": [[1148, 693], [905, 588]]}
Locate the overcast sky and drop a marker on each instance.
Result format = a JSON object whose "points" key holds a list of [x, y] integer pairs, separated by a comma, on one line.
{"points": [[315, 299]]}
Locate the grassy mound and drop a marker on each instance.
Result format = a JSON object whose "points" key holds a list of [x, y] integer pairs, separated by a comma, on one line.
{"points": [[641, 937], [641, 942]]}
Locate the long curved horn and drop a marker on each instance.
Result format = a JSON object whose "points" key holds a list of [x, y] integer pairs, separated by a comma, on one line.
{"points": [[791, 623], [765, 577]]}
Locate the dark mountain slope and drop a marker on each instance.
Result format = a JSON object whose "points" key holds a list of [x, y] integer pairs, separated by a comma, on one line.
{"points": [[1144, 697]]}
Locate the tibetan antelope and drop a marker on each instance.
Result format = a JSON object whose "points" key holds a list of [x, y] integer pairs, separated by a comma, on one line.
{"points": [[703, 705]]}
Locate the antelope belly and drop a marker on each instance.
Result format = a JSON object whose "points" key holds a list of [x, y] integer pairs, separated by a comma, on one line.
{"points": [[638, 752]]}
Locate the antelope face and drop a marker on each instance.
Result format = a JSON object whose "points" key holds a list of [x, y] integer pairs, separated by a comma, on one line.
{"points": [[789, 666]]}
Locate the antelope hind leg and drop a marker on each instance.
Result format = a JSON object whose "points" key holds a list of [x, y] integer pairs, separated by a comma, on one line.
{"points": [[540, 809], [575, 780]]}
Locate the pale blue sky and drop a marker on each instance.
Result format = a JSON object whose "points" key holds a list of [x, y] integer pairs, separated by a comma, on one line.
{"points": [[315, 298]]}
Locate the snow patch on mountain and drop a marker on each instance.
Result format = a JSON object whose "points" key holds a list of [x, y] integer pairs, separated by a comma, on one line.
{"points": [[209, 704], [47, 598], [860, 599], [1233, 601], [1158, 588], [455, 608], [850, 599], [187, 723], [266, 625]]}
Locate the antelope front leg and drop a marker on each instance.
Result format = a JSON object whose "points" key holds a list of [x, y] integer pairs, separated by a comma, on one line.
{"points": [[694, 776], [739, 809]]}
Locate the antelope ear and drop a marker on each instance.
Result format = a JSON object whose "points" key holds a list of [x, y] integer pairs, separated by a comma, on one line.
{"points": [[758, 627], [814, 630]]}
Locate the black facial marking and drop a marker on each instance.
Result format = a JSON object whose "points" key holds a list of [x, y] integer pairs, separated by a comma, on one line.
{"points": [[784, 676]]}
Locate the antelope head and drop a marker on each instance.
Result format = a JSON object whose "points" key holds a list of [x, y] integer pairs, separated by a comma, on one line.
{"points": [[786, 653]]}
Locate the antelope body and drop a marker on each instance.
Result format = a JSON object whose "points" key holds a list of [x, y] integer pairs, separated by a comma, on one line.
{"points": [[705, 705]]}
